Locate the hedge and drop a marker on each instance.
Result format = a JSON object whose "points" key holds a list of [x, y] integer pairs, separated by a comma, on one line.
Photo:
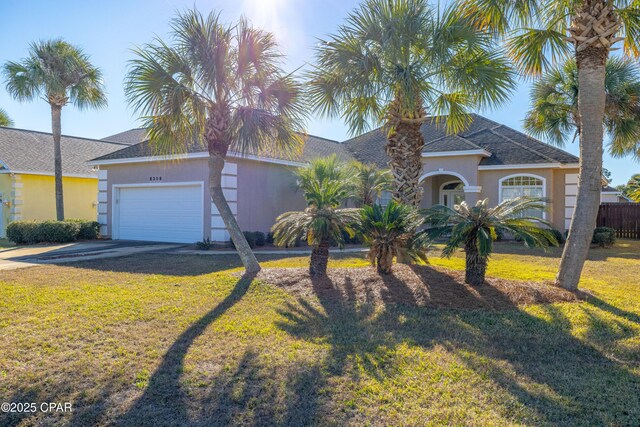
{"points": [[30, 232]]}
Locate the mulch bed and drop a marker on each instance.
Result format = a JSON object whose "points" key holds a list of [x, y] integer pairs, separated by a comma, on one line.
{"points": [[422, 286]]}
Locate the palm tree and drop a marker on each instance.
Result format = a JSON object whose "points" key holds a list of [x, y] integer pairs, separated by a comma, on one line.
{"points": [[5, 120], [59, 73], [391, 232], [395, 61], [326, 185], [632, 188], [555, 116], [539, 33], [475, 228], [369, 182], [220, 87]]}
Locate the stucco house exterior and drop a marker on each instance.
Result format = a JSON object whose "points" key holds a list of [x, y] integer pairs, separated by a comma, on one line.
{"points": [[152, 197], [26, 175]]}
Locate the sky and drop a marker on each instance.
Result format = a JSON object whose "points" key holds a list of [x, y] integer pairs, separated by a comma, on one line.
{"points": [[108, 30]]}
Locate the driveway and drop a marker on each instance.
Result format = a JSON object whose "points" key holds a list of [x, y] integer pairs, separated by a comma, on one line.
{"points": [[27, 256]]}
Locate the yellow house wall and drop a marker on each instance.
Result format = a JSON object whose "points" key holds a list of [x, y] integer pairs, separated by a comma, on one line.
{"points": [[5, 211], [38, 197]]}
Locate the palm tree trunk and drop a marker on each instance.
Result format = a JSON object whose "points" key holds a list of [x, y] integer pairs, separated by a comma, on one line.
{"points": [[475, 265], [216, 164], [404, 149], [385, 261], [319, 259], [591, 103], [56, 124]]}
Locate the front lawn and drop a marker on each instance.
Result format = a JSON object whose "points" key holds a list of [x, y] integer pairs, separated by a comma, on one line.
{"points": [[184, 340]]}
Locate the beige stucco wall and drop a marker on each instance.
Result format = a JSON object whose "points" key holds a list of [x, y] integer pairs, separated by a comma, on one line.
{"points": [[190, 170], [264, 191], [488, 180], [467, 166]]}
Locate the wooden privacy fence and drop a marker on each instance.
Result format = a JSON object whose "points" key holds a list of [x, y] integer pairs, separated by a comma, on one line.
{"points": [[623, 217]]}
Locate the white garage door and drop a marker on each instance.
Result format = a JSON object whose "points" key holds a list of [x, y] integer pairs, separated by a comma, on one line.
{"points": [[160, 213]]}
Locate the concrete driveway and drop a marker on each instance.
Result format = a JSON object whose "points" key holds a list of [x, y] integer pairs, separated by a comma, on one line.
{"points": [[27, 256]]}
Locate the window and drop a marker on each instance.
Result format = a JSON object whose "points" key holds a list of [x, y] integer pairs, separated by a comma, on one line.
{"points": [[524, 185], [384, 199]]}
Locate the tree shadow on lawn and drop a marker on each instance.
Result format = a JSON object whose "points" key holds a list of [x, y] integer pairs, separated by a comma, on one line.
{"points": [[561, 379], [246, 395], [169, 264]]}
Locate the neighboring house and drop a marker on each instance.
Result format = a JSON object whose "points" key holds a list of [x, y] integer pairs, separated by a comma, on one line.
{"points": [[26, 175], [612, 195], [152, 197]]}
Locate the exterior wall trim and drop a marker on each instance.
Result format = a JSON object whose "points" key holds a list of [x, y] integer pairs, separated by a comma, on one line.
{"points": [[529, 166], [444, 172], [68, 175], [199, 155], [472, 189], [483, 153]]}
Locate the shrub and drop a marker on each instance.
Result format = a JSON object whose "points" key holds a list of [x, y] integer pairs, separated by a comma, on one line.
{"points": [[58, 231], [89, 230], [251, 238], [260, 238], [204, 244], [30, 232], [22, 232], [604, 237], [269, 239]]}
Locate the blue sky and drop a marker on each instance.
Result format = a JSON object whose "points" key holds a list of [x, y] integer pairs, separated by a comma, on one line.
{"points": [[107, 31]]}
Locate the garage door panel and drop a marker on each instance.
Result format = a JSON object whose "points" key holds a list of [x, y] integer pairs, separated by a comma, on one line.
{"points": [[163, 213]]}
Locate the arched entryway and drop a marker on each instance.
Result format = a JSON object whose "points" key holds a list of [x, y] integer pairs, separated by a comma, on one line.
{"points": [[445, 188]]}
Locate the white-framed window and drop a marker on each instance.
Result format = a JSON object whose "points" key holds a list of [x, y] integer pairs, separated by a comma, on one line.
{"points": [[514, 186], [384, 198]]}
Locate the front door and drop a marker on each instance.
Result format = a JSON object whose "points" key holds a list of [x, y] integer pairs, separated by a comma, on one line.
{"points": [[452, 194]]}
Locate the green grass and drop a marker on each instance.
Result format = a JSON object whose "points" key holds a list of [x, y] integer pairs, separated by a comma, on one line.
{"points": [[181, 340], [4, 243]]}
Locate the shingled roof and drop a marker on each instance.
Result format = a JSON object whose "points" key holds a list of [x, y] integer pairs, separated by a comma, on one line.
{"points": [[27, 151], [506, 146], [314, 147]]}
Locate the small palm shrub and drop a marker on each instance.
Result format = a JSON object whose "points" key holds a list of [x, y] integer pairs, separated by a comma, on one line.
{"points": [[204, 244], [475, 228], [390, 232], [325, 183], [369, 181]]}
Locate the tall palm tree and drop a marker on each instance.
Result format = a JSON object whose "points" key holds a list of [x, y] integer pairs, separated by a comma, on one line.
{"points": [[369, 182], [59, 73], [325, 184], [554, 113], [221, 87], [538, 34], [5, 120], [395, 61], [474, 229], [391, 232]]}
